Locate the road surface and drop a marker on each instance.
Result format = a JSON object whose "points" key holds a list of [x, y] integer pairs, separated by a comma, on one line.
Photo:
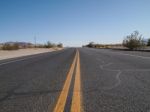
{"points": [[76, 80]]}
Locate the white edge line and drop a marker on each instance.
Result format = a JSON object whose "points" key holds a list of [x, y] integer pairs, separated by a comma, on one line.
{"points": [[136, 56], [16, 60], [144, 57], [35, 55]]}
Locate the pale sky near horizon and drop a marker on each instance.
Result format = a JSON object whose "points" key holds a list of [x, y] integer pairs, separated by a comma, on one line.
{"points": [[73, 22]]}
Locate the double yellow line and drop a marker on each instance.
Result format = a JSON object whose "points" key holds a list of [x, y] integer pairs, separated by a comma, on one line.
{"points": [[76, 98]]}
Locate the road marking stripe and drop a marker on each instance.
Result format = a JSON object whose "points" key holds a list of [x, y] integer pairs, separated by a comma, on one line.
{"points": [[144, 57], [76, 100], [16, 60], [4, 63], [60, 105], [30, 56]]}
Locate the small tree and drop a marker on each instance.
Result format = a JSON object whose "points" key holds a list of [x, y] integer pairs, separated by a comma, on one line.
{"points": [[148, 43], [134, 41]]}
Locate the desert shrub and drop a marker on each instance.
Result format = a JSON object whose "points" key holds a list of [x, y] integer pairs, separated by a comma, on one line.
{"points": [[148, 43], [91, 45], [10, 47], [134, 41], [49, 45], [60, 45]]}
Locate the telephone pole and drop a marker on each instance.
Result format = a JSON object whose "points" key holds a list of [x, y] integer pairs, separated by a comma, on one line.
{"points": [[35, 41]]}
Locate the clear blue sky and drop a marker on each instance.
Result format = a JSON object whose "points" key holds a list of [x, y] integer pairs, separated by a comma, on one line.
{"points": [[73, 22]]}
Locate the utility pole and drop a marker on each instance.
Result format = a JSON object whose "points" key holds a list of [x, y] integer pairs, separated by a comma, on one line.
{"points": [[35, 41]]}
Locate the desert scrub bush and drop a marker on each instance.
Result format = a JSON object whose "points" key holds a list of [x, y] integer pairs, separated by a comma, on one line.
{"points": [[91, 45], [134, 41], [49, 45], [60, 45], [10, 47], [148, 43]]}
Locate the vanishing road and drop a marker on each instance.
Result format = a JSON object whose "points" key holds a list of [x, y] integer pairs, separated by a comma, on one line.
{"points": [[76, 80]]}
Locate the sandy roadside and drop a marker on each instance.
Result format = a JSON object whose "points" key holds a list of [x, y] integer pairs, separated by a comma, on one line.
{"points": [[23, 52]]}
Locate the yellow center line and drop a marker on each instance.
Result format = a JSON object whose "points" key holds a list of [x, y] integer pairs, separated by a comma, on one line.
{"points": [[63, 96], [76, 100]]}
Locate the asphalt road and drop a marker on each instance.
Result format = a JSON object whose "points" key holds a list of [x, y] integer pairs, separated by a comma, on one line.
{"points": [[76, 80]]}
